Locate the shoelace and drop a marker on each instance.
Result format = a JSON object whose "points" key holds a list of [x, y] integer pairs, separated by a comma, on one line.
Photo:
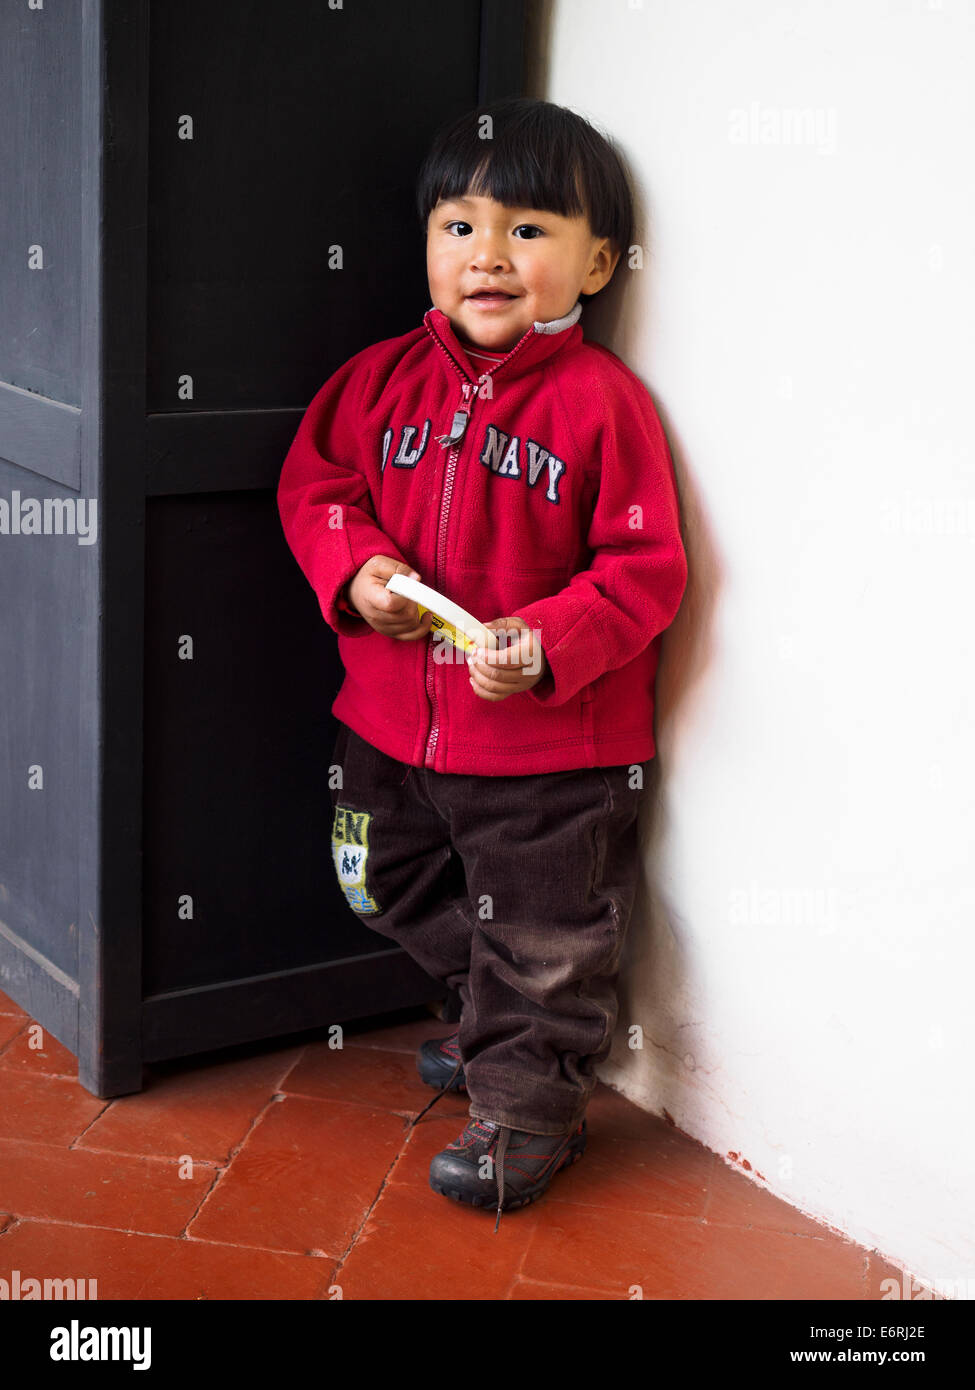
{"points": [[500, 1152], [445, 1087]]}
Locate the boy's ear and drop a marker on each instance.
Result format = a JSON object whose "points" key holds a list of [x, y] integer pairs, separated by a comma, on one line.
{"points": [[610, 256]]}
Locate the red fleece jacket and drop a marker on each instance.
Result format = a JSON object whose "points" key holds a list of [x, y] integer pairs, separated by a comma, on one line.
{"points": [[555, 502]]}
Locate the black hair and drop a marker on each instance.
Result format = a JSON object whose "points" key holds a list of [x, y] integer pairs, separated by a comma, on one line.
{"points": [[539, 155]]}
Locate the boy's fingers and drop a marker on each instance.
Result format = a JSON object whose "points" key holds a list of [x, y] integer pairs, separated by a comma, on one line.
{"points": [[382, 571], [510, 654], [393, 603], [494, 677], [383, 567], [417, 630]]}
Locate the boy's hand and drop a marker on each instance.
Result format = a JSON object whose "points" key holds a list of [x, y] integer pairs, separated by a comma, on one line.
{"points": [[518, 664], [389, 613]]}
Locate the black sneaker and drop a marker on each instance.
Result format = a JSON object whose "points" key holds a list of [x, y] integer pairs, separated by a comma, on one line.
{"points": [[521, 1164], [438, 1060]]}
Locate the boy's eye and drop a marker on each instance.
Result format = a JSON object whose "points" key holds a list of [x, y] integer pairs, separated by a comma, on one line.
{"points": [[466, 229]]}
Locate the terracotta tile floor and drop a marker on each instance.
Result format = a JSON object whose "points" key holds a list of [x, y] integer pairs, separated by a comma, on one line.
{"points": [[280, 1170]]}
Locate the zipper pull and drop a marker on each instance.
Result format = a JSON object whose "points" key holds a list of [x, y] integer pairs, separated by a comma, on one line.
{"points": [[461, 417]]}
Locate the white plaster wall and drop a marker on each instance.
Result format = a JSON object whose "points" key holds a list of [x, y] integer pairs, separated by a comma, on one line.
{"points": [[802, 957]]}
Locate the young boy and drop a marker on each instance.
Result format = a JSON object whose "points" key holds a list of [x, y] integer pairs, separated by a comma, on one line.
{"points": [[487, 813]]}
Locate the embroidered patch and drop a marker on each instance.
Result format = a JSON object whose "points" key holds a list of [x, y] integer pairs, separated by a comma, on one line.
{"points": [[350, 852]]}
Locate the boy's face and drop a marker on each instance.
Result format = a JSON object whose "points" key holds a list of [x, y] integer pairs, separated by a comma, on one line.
{"points": [[542, 262]]}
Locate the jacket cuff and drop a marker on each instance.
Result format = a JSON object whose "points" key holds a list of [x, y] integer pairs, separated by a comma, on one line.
{"points": [[574, 661], [349, 622], [544, 692], [338, 612]]}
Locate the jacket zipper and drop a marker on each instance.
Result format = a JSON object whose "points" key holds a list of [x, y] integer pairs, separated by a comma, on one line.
{"points": [[458, 430]]}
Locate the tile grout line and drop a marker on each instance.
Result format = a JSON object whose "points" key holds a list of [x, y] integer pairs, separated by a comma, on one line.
{"points": [[50, 1076], [104, 1110], [521, 1265], [145, 1158], [372, 1206], [126, 1153], [220, 1169], [586, 1288], [279, 1088], [235, 1149], [94, 1149], [402, 1111], [12, 1039], [162, 1235]]}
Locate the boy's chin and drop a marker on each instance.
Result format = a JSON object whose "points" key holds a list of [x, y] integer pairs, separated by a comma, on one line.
{"points": [[488, 342], [504, 346]]}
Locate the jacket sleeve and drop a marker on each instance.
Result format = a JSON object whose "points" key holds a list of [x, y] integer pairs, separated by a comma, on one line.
{"points": [[324, 502], [636, 576]]}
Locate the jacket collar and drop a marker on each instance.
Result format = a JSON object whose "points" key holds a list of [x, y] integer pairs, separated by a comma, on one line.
{"points": [[535, 345]]}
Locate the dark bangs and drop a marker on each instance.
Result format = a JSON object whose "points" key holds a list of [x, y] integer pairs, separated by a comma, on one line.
{"points": [[539, 155]]}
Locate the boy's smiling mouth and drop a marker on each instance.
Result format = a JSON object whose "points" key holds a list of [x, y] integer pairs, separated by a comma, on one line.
{"points": [[490, 297]]}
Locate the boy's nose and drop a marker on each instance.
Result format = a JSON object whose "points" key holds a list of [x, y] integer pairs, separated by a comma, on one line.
{"points": [[488, 253]]}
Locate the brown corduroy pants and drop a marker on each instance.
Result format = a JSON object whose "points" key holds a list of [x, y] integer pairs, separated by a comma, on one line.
{"points": [[515, 891]]}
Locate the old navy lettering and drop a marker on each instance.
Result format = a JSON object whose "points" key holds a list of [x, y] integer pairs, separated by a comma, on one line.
{"points": [[502, 454], [501, 451], [405, 457]]}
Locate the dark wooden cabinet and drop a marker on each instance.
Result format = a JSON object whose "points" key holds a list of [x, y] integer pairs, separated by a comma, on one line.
{"points": [[207, 207]]}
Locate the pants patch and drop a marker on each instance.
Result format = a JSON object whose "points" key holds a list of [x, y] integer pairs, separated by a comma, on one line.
{"points": [[350, 852]]}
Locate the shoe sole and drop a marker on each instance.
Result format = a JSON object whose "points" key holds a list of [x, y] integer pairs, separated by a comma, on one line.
{"points": [[526, 1199]]}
